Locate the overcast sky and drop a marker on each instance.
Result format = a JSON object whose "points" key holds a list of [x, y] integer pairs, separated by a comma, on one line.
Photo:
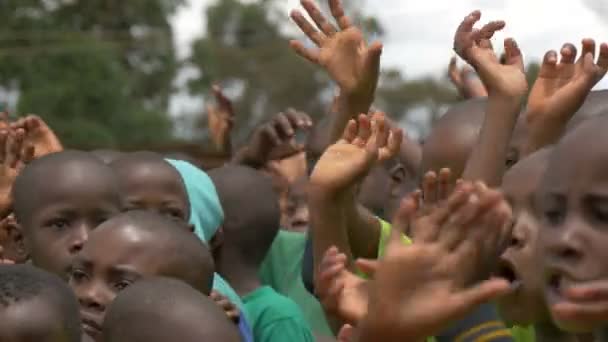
{"points": [[419, 33]]}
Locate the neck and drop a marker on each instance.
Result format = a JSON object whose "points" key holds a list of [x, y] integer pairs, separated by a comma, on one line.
{"points": [[548, 332], [240, 275]]}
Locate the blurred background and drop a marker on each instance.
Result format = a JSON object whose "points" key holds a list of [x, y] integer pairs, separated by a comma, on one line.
{"points": [[134, 73]]}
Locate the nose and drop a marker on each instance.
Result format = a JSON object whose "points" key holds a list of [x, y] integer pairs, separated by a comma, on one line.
{"points": [[567, 247], [92, 297], [79, 237]]}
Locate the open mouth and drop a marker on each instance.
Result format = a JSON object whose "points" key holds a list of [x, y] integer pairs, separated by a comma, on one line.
{"points": [[506, 270]]}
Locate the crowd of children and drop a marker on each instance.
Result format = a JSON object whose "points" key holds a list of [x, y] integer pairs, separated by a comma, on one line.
{"points": [[490, 230]]}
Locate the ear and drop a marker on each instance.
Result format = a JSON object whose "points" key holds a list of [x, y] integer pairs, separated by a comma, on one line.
{"points": [[398, 176], [191, 227], [217, 240], [16, 248]]}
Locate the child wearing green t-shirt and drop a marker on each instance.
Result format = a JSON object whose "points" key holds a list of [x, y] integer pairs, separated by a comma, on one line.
{"points": [[251, 223]]}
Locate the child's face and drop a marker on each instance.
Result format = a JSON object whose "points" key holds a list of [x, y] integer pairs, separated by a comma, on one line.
{"points": [[573, 204], [110, 261], [31, 321], [157, 189], [520, 263], [63, 215]]}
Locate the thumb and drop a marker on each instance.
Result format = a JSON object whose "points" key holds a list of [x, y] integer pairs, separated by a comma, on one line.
{"points": [[482, 293], [367, 266], [372, 60], [346, 334]]}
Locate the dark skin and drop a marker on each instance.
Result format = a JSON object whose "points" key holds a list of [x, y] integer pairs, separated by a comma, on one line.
{"points": [[153, 185], [98, 276], [519, 264], [295, 217], [60, 219], [572, 204], [34, 320]]}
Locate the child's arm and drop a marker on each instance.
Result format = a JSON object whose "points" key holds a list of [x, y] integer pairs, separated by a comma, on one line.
{"points": [[560, 90], [466, 81], [220, 120], [15, 153], [273, 140], [416, 291], [344, 54], [337, 174], [507, 87]]}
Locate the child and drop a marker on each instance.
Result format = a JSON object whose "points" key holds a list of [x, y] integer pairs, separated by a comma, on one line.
{"points": [[162, 309], [36, 306], [570, 203], [127, 248], [58, 200], [148, 182], [251, 224]]}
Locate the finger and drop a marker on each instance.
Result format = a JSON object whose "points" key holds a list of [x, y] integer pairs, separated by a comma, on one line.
{"points": [[364, 130], [298, 119], [445, 187], [403, 216], [346, 334], [590, 313], [284, 126], [11, 158], [307, 28], [350, 132], [271, 134], [594, 291], [367, 266], [337, 11], [513, 53], [588, 48], [482, 293], [549, 67], [310, 55], [17, 148], [382, 129], [453, 67], [395, 140], [489, 29], [469, 21], [3, 146], [456, 200], [372, 59], [602, 61], [568, 54], [429, 188], [318, 17]]}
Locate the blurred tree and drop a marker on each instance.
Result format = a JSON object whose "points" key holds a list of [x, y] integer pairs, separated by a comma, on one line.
{"points": [[246, 50], [100, 71]]}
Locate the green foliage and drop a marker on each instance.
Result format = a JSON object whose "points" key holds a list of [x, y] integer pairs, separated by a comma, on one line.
{"points": [[99, 71]]}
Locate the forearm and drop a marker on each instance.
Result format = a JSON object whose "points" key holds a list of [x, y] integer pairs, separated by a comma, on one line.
{"points": [[244, 157], [327, 224], [349, 106], [542, 133], [487, 161], [363, 229]]}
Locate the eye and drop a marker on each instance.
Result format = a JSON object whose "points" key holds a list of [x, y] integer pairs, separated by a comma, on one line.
{"points": [[598, 210], [100, 220], [122, 284], [554, 216], [59, 224], [77, 275], [175, 214]]}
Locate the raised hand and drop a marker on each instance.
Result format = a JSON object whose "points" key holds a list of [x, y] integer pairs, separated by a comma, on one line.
{"points": [[38, 134], [419, 289], [466, 81], [561, 89], [342, 51], [364, 143], [343, 294], [584, 306], [475, 47], [220, 118], [275, 139], [15, 152]]}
